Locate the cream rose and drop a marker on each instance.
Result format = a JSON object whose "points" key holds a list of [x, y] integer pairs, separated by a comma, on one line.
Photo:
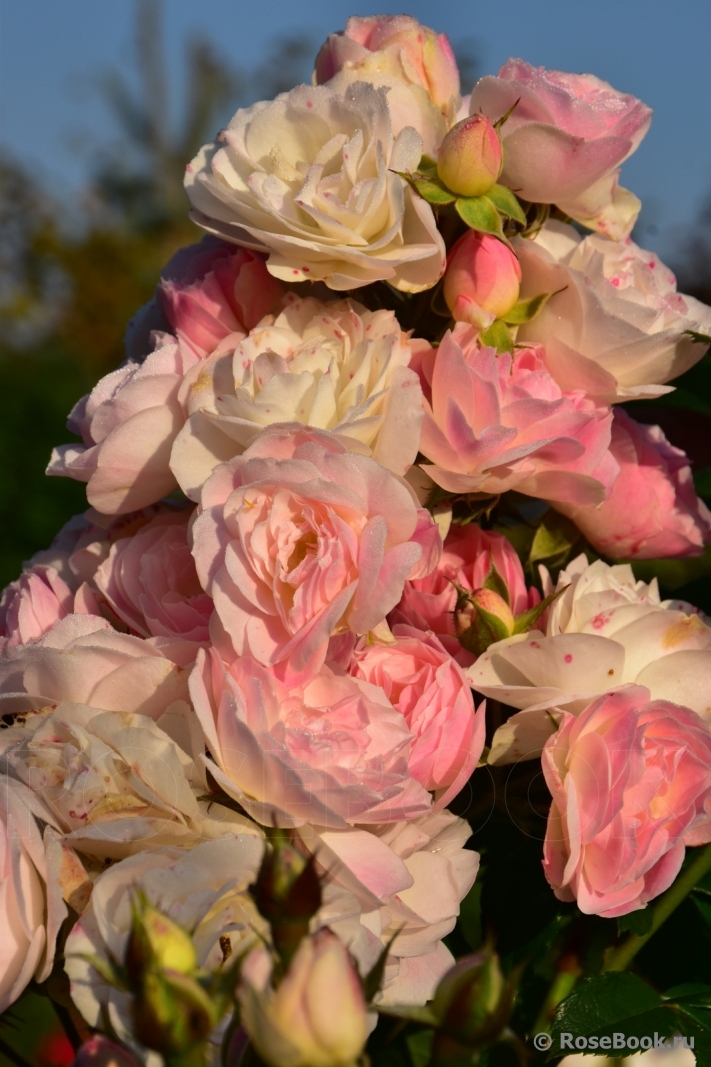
{"points": [[311, 178], [335, 366], [606, 630], [617, 327], [114, 782]]}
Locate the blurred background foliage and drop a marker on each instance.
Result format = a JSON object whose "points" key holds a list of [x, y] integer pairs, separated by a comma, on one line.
{"points": [[72, 274]]}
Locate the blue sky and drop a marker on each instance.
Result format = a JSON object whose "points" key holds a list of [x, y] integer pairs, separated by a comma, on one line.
{"points": [[52, 51]]}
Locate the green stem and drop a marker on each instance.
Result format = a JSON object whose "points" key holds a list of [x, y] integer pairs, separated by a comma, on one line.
{"points": [[563, 984], [12, 1056], [618, 959]]}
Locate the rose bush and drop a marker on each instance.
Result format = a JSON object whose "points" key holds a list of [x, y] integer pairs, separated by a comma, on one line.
{"points": [[312, 178]]}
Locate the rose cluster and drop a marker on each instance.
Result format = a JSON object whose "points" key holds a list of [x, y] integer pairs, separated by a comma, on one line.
{"points": [[296, 578]]}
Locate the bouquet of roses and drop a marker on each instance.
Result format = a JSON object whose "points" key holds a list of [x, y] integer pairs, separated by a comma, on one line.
{"points": [[346, 585]]}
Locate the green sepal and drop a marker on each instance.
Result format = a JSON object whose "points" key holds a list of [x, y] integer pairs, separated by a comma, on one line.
{"points": [[480, 214], [524, 621], [699, 338], [373, 980], [427, 165], [507, 203], [496, 583], [498, 336], [506, 115], [429, 187], [112, 973], [421, 1016], [526, 310]]}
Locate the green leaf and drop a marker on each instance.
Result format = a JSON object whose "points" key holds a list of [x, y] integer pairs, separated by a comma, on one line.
{"points": [[507, 203], [498, 336], [674, 573], [636, 922], [526, 310], [469, 921], [496, 583], [419, 1045], [429, 187], [608, 1003], [554, 541], [480, 214]]}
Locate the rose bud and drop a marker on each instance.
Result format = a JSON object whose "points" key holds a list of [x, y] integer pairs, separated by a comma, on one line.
{"points": [[481, 618], [472, 1004], [470, 157], [173, 1013], [317, 1014], [156, 941], [287, 893], [482, 280]]}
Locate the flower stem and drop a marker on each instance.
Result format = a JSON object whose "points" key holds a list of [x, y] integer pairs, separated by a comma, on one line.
{"points": [[618, 959]]}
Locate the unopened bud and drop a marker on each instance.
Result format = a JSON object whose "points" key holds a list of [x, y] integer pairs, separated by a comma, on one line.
{"points": [[287, 893], [482, 618], [470, 157], [173, 1013], [483, 279], [156, 942], [469, 1001]]}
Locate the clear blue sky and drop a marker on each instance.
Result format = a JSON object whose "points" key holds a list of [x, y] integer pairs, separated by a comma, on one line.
{"points": [[51, 52]]}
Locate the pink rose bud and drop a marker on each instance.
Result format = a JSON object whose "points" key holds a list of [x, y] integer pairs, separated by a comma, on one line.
{"points": [[483, 618], [470, 157], [482, 280]]}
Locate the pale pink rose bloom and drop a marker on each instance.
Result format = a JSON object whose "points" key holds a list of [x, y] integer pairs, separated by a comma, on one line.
{"points": [[35, 870], [32, 604], [408, 877], [631, 786], [333, 751], [212, 289], [300, 538], [468, 555], [482, 280], [616, 326], [566, 134], [653, 510], [150, 582], [128, 424], [420, 679], [423, 57], [496, 423], [83, 660]]}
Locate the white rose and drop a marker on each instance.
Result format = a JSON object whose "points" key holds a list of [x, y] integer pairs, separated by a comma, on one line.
{"points": [[310, 177], [408, 877], [114, 782], [605, 631], [204, 889], [332, 365], [36, 872], [617, 329]]}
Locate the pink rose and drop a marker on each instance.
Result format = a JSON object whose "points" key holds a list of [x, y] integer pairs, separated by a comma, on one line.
{"points": [[331, 752], [653, 510], [567, 132], [423, 57], [501, 422], [420, 679], [150, 582], [128, 424], [631, 786], [211, 289], [468, 556], [32, 604], [300, 538], [83, 660], [482, 280]]}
